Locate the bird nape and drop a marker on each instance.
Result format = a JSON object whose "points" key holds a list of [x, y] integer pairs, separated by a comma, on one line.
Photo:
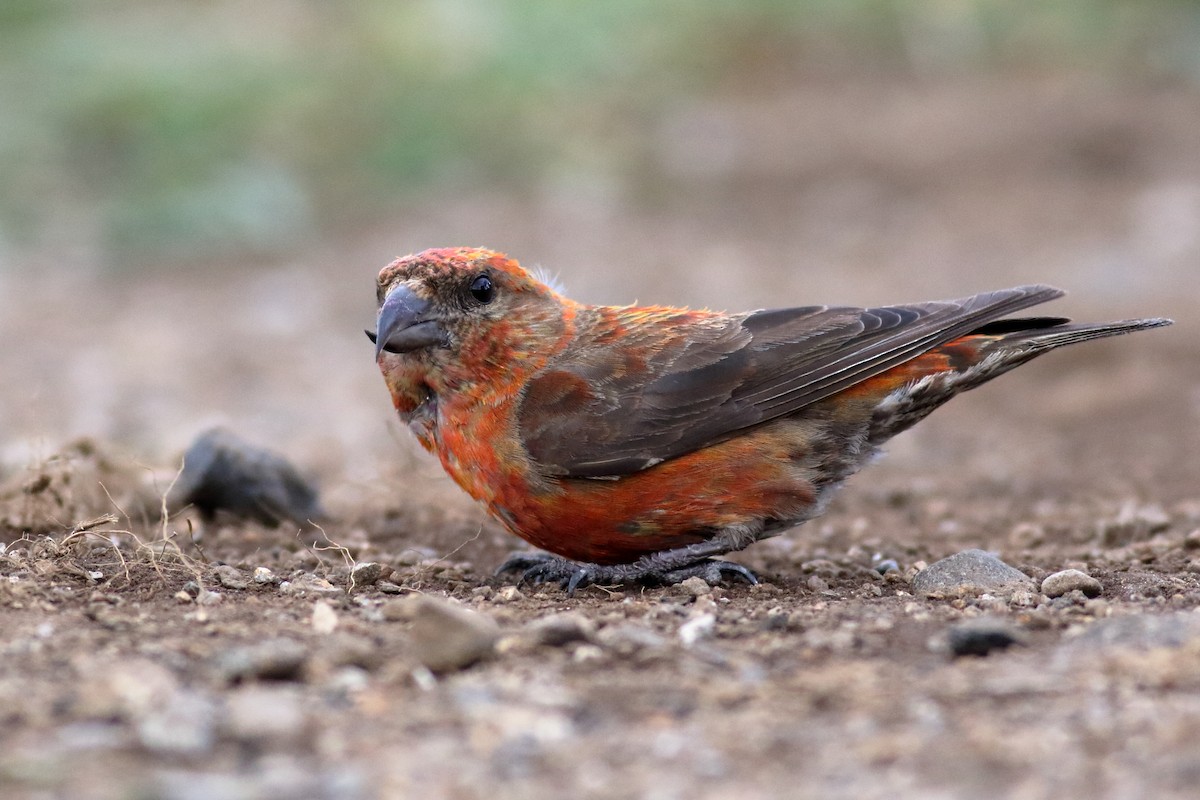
{"points": [[637, 443]]}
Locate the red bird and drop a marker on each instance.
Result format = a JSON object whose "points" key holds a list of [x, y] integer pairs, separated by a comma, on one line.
{"points": [[637, 442]]}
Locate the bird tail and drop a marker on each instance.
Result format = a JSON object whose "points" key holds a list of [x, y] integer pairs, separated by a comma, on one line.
{"points": [[1037, 335]]}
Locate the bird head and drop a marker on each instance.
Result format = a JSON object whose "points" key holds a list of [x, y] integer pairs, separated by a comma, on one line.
{"points": [[451, 304]]}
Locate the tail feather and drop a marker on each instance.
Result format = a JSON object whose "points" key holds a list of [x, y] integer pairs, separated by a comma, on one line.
{"points": [[1006, 344], [1048, 333]]}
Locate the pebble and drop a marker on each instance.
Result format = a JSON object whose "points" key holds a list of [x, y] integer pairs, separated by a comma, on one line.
{"points": [[979, 637], [273, 659], [324, 618], [309, 584], [1069, 580], [818, 584], [446, 636], [184, 723], [1141, 631], [629, 638], [264, 576], [224, 473], [971, 572], [558, 630], [209, 598], [265, 714], [887, 565], [366, 573], [231, 577], [1134, 523], [509, 594], [694, 586], [699, 627]]}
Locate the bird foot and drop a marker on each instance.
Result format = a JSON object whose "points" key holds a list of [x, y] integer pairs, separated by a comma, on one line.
{"points": [[646, 571]]}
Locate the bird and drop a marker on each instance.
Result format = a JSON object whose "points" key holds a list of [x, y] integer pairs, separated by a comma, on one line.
{"points": [[638, 444]]}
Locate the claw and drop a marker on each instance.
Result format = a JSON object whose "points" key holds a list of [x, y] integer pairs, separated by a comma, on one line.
{"points": [[538, 568], [522, 562], [580, 577]]}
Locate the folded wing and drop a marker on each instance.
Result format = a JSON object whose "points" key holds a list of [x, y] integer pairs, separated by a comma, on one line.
{"points": [[640, 386]]}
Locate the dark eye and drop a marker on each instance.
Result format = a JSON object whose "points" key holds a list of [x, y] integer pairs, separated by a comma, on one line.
{"points": [[482, 289]]}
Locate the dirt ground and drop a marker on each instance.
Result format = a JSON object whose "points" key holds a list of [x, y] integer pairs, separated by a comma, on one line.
{"points": [[149, 657]]}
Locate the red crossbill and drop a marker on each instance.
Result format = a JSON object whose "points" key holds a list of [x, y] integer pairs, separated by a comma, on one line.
{"points": [[638, 442]]}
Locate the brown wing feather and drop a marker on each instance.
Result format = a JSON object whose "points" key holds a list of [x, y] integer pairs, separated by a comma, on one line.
{"points": [[638, 388]]}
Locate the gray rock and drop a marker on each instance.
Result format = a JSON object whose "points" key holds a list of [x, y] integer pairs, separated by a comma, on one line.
{"points": [[310, 584], [561, 629], [231, 577], [446, 636], [1069, 580], [222, 473], [270, 714], [692, 587], [978, 637], [273, 659], [629, 638], [887, 565], [1141, 631], [971, 572], [264, 576], [366, 573], [184, 723]]}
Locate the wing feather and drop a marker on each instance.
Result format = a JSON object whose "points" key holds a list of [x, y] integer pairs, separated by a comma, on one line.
{"points": [[637, 388]]}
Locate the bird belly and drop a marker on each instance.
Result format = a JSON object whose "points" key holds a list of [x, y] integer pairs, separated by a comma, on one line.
{"points": [[759, 481]]}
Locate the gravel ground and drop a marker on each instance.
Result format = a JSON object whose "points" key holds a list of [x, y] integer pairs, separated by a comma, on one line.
{"points": [[375, 656]]}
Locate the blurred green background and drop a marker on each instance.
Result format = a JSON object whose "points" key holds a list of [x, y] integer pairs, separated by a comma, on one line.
{"points": [[137, 134]]}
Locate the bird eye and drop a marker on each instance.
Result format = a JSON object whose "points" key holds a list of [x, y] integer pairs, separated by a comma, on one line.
{"points": [[482, 289]]}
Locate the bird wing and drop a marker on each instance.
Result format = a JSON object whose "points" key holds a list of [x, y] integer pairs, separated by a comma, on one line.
{"points": [[639, 386]]}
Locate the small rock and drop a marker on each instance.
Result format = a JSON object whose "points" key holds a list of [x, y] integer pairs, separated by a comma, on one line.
{"points": [[183, 723], [699, 627], [509, 594], [446, 636], [1027, 534], [410, 558], [365, 573], [224, 473], [265, 714], [978, 637], [561, 629], [209, 598], [324, 618], [777, 618], [971, 572], [344, 649], [887, 565], [818, 584], [1141, 631], [387, 587], [231, 577], [264, 576], [1192, 540], [629, 638], [310, 584], [1069, 580], [274, 659], [1134, 523], [586, 652], [694, 586]]}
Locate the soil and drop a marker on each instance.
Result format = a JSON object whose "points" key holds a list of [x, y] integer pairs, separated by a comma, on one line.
{"points": [[186, 658]]}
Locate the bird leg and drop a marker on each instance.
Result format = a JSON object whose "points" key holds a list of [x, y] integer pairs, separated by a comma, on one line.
{"points": [[664, 568]]}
